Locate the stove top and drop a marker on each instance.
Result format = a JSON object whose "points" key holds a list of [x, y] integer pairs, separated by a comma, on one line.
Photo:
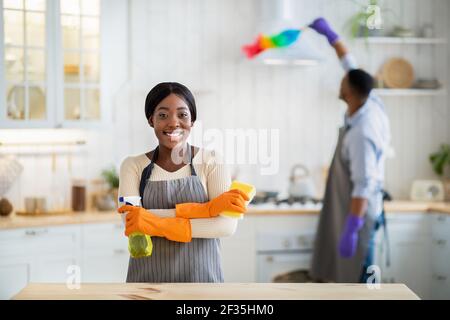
{"points": [[288, 203], [300, 200]]}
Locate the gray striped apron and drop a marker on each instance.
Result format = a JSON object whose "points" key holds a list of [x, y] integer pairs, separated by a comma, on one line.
{"points": [[327, 264], [171, 261]]}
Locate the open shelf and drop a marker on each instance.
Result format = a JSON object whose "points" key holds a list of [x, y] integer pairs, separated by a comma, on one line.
{"points": [[401, 40], [410, 92]]}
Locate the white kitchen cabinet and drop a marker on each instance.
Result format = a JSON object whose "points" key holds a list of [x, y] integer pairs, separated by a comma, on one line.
{"points": [[15, 273], [440, 256], [52, 79], [244, 252], [100, 235], [36, 254], [15, 262], [238, 253], [105, 253], [44, 254], [105, 265], [409, 237], [53, 249], [54, 267], [440, 286]]}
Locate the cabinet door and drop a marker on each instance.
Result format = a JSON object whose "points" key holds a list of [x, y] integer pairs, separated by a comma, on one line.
{"points": [[15, 242], [39, 240], [103, 235], [239, 253], [79, 84], [440, 225], [105, 265], [410, 243], [54, 240], [440, 287], [105, 253], [440, 253], [40, 254], [55, 267], [271, 266], [15, 274], [25, 83]]}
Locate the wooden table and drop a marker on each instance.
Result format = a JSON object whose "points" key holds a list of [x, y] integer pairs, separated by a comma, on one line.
{"points": [[215, 291]]}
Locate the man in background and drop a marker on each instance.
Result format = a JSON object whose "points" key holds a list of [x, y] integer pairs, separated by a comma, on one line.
{"points": [[352, 205]]}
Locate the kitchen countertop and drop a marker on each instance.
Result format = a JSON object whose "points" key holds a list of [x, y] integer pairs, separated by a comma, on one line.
{"points": [[13, 221], [216, 291]]}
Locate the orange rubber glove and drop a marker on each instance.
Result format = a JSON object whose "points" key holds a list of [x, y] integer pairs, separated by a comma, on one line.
{"points": [[233, 200], [139, 219]]}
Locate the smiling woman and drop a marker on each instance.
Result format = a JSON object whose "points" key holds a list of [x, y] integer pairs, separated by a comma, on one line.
{"points": [[190, 183]]}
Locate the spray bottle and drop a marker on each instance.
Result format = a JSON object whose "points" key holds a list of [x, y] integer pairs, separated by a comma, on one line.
{"points": [[139, 244]]}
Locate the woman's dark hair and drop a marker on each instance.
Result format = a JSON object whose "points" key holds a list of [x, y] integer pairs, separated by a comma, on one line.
{"points": [[361, 82], [164, 89]]}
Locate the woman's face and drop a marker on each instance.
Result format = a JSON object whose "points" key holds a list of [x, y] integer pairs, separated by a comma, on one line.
{"points": [[171, 121]]}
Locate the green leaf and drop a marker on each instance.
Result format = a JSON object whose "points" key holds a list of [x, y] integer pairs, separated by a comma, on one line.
{"points": [[440, 159], [111, 177]]}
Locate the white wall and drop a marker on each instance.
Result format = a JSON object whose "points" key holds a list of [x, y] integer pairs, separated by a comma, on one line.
{"points": [[197, 42]]}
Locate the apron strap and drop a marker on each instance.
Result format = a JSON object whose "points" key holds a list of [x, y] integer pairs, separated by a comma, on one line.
{"points": [[191, 154], [386, 196], [146, 173]]}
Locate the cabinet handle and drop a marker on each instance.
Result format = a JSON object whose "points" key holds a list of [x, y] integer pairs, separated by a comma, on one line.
{"points": [[439, 277], [286, 244], [269, 259], [440, 242], [302, 241], [441, 218], [35, 232], [119, 251]]}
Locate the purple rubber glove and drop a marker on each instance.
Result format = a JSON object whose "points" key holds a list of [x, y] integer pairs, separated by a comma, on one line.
{"points": [[349, 238], [321, 26]]}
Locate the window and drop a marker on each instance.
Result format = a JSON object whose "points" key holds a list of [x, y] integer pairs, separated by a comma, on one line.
{"points": [[25, 61], [51, 61]]}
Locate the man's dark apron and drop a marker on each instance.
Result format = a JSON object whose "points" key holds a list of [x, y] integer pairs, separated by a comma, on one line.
{"points": [[327, 264]]}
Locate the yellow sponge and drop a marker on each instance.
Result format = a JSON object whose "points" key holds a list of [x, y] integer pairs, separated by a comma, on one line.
{"points": [[248, 189]]}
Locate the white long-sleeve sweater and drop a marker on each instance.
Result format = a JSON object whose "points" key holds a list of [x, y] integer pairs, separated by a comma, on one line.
{"points": [[213, 173]]}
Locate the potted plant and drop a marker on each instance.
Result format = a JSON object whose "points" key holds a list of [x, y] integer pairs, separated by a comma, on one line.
{"points": [[440, 161], [112, 179]]}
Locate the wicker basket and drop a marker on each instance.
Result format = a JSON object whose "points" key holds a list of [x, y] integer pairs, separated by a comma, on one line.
{"points": [[397, 73]]}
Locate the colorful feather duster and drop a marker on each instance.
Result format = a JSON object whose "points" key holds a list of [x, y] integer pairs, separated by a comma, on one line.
{"points": [[263, 42]]}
